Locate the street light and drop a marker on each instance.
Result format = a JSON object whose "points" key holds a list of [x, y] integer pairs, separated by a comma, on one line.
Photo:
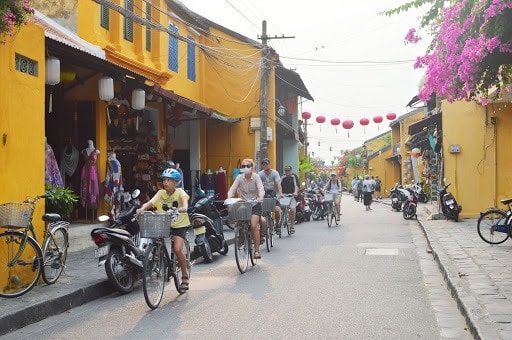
{"points": [[281, 110]]}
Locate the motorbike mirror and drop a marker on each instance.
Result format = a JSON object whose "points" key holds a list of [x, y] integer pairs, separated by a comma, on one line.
{"points": [[135, 193], [103, 218]]}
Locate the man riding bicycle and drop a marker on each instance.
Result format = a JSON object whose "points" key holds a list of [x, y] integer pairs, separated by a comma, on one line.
{"points": [[290, 185], [272, 185]]}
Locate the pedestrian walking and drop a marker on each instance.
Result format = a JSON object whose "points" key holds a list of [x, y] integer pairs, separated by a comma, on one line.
{"points": [[378, 184], [354, 188], [359, 189], [367, 193]]}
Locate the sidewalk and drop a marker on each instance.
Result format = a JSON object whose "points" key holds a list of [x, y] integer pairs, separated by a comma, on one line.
{"points": [[479, 277]]}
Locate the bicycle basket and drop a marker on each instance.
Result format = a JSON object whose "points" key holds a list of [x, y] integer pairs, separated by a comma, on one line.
{"points": [[285, 201], [328, 197], [15, 215], [268, 205], [240, 211], [154, 225]]}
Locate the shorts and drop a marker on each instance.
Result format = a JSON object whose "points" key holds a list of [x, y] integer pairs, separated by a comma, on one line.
{"points": [[257, 209], [180, 231]]}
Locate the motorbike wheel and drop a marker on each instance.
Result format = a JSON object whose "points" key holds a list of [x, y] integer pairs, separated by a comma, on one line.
{"points": [[118, 273], [409, 212], [423, 198], [225, 248], [206, 252], [317, 213]]}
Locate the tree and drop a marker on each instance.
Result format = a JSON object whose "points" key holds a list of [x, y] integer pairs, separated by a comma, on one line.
{"points": [[471, 50]]}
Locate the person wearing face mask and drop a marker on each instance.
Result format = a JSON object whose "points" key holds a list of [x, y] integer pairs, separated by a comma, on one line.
{"points": [[249, 187]]}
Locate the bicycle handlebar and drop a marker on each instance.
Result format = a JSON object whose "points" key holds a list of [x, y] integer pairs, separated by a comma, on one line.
{"points": [[34, 200]]}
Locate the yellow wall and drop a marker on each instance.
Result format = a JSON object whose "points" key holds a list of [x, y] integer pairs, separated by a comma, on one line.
{"points": [[22, 156]]}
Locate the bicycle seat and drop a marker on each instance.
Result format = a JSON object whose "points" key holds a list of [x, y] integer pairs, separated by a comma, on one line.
{"points": [[506, 201], [50, 217]]}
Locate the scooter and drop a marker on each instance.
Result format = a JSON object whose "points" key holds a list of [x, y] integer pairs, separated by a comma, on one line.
{"points": [[449, 206], [420, 193], [303, 212], [410, 205], [398, 197], [120, 248], [207, 224]]}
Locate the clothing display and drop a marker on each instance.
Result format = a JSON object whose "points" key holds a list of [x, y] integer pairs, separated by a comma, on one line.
{"points": [[208, 183], [113, 185], [52, 172], [68, 162], [221, 185], [89, 184]]}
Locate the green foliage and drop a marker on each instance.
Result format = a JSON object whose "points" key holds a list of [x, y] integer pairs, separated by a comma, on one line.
{"points": [[60, 200], [305, 167]]}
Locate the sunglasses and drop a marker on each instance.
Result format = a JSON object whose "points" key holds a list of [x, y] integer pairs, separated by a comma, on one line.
{"points": [[287, 169], [246, 166]]}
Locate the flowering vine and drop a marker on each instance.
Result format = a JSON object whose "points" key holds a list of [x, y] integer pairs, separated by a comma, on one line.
{"points": [[13, 14]]}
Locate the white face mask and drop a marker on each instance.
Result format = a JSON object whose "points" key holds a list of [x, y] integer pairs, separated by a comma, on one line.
{"points": [[246, 170]]}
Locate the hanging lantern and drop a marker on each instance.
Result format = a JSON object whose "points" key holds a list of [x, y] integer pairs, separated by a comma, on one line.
{"points": [[52, 76], [378, 120], [335, 122], [106, 92], [306, 115], [138, 99], [348, 124], [320, 119], [364, 122], [391, 116]]}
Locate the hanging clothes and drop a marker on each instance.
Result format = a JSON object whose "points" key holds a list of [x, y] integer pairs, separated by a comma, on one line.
{"points": [[52, 172], [221, 185], [68, 162], [113, 186], [89, 184], [208, 183]]}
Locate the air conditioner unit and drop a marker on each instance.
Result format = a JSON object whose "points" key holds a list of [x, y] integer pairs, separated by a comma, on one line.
{"points": [[255, 124]]}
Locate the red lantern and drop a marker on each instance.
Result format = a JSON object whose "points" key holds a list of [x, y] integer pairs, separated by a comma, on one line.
{"points": [[335, 121], [306, 115], [391, 116], [320, 119], [348, 124], [377, 119], [364, 122]]}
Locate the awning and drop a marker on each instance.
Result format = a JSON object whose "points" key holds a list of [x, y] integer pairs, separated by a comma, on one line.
{"points": [[413, 101], [222, 118], [182, 100], [291, 82], [420, 125]]}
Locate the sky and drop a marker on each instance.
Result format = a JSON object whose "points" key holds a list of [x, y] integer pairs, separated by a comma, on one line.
{"points": [[353, 61]]}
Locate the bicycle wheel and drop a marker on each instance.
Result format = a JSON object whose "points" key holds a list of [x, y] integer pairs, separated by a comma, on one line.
{"points": [[271, 226], [55, 252], [279, 223], [286, 221], [177, 269], [329, 215], [241, 248], [335, 216], [20, 263], [493, 226], [155, 271], [268, 232]]}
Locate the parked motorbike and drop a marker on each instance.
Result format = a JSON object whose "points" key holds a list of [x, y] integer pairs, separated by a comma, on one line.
{"points": [[449, 206], [207, 223], [120, 248], [302, 212], [398, 197], [319, 210], [410, 205], [420, 193]]}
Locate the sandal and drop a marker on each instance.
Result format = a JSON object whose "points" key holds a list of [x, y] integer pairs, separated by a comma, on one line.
{"points": [[184, 284], [292, 230], [257, 255]]}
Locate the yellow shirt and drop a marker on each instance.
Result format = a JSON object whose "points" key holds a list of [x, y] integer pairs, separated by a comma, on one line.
{"points": [[162, 197]]}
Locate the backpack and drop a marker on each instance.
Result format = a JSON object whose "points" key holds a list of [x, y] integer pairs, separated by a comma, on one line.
{"points": [[372, 187], [359, 185]]}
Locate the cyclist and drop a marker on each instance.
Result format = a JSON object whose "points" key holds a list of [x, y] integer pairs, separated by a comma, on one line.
{"points": [[272, 185], [333, 186], [249, 187], [290, 185], [168, 195]]}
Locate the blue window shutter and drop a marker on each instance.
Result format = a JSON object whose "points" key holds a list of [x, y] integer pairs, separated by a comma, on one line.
{"points": [[173, 49], [128, 21], [191, 59]]}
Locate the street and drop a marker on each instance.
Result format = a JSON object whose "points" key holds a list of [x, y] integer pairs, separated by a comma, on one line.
{"points": [[371, 277]]}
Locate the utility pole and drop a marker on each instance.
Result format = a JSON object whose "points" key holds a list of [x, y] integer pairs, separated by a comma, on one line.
{"points": [[266, 65]]}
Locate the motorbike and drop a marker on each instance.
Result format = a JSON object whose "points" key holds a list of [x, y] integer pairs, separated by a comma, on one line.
{"points": [[410, 205], [420, 193], [398, 196], [319, 210], [303, 212], [208, 227], [449, 206], [120, 248]]}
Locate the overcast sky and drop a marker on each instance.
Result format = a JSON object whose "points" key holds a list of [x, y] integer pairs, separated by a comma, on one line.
{"points": [[353, 61]]}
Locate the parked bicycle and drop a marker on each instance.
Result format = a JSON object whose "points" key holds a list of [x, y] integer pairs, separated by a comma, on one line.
{"points": [[160, 263], [494, 225], [22, 260], [331, 213]]}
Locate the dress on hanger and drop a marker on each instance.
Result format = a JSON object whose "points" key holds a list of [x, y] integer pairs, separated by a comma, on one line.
{"points": [[52, 172], [89, 184], [68, 162], [208, 184], [221, 185], [113, 186]]}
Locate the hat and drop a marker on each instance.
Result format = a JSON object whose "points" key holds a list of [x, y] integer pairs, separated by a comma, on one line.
{"points": [[333, 173], [288, 167], [265, 161]]}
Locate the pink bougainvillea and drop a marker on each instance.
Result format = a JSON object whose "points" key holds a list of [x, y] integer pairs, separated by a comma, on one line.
{"points": [[13, 14]]}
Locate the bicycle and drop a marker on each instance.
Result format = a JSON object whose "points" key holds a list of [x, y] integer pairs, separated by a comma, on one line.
{"points": [[494, 225], [284, 203], [22, 260], [268, 207], [240, 212], [331, 209], [158, 265]]}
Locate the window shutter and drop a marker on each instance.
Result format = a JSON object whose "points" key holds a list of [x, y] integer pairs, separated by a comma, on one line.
{"points": [[148, 28], [128, 21], [191, 59], [104, 17], [173, 49]]}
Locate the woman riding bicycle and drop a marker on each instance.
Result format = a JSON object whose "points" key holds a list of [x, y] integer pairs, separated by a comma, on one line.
{"points": [[334, 187], [167, 196], [249, 187]]}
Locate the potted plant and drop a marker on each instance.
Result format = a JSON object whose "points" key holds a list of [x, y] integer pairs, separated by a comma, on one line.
{"points": [[60, 200]]}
